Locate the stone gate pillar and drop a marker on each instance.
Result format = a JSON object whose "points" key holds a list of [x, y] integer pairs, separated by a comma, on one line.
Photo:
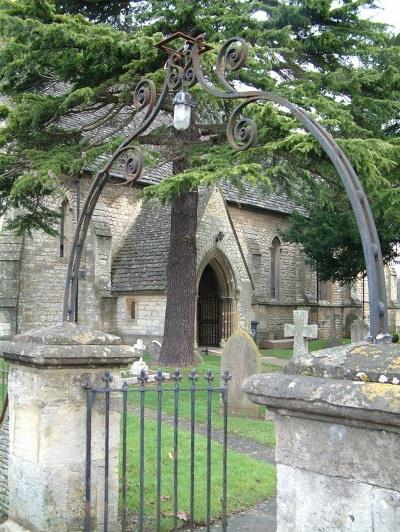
{"points": [[47, 413], [338, 438]]}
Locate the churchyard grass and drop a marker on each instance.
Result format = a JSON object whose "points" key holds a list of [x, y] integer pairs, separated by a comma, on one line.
{"points": [[3, 381], [313, 345], [257, 430], [249, 480]]}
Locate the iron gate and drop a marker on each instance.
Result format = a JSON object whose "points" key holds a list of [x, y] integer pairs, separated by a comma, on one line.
{"points": [[214, 320], [140, 393]]}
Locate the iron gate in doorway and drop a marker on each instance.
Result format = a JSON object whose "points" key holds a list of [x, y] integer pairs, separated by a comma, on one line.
{"points": [[214, 320], [143, 431]]}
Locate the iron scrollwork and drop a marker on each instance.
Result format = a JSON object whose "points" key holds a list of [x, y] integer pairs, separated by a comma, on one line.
{"points": [[183, 70]]}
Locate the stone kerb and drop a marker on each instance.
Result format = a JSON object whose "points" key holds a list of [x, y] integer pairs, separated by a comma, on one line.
{"points": [[47, 415], [338, 437]]}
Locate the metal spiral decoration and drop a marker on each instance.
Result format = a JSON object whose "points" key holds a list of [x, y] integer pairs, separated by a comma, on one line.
{"points": [[133, 161], [181, 71], [175, 74], [241, 132], [232, 56], [145, 94]]}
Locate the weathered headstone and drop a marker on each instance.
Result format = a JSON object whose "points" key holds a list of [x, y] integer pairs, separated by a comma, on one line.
{"points": [[154, 350], [301, 332], [242, 359], [359, 330], [333, 339]]}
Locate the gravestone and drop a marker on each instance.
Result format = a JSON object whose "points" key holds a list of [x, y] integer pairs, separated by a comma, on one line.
{"points": [[301, 332], [359, 330], [242, 359], [350, 318], [138, 366], [154, 350], [333, 339]]}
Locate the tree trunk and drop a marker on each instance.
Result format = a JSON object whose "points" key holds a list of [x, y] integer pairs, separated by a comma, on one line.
{"points": [[179, 328]]}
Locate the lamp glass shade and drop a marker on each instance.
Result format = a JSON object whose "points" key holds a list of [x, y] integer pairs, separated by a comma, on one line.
{"points": [[182, 114]]}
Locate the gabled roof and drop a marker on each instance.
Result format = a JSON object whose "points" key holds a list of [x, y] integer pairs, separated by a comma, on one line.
{"points": [[141, 263], [256, 198]]}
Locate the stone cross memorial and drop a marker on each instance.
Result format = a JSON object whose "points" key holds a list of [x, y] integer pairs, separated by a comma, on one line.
{"points": [[301, 332], [242, 359]]}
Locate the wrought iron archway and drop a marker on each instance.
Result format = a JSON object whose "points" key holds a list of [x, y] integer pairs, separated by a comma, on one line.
{"points": [[184, 70]]}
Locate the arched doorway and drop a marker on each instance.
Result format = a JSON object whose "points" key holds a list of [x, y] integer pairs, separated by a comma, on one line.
{"points": [[216, 309]]}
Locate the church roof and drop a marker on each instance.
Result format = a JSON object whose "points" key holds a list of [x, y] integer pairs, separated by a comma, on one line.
{"points": [[250, 196], [247, 196], [98, 125], [141, 263]]}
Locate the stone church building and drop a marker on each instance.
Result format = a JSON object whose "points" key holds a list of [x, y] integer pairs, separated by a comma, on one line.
{"points": [[245, 271]]}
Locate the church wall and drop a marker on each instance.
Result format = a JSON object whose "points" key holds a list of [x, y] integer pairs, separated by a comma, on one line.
{"points": [[297, 281], [214, 219], [44, 271], [391, 294], [10, 263], [148, 321]]}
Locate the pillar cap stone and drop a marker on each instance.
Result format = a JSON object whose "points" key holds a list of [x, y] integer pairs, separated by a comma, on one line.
{"points": [[358, 381], [366, 402], [67, 333], [356, 361], [66, 345]]}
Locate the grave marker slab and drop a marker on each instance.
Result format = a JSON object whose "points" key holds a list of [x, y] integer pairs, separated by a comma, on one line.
{"points": [[359, 330], [241, 357], [154, 350]]}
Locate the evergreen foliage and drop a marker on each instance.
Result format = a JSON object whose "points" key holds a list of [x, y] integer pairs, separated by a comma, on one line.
{"points": [[59, 61]]}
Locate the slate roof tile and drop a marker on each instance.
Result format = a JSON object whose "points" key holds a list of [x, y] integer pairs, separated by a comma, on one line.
{"points": [[141, 263]]}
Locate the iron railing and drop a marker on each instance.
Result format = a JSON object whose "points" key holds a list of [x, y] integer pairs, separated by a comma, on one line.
{"points": [[143, 389]]}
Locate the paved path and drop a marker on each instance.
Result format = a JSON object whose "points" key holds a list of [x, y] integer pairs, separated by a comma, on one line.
{"points": [[261, 518]]}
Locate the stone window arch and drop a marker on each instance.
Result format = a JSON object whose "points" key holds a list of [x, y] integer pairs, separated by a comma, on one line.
{"points": [[66, 229], [275, 267]]}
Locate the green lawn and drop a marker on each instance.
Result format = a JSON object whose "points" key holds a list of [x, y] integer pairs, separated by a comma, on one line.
{"points": [[249, 481], [258, 430], [3, 382], [313, 345]]}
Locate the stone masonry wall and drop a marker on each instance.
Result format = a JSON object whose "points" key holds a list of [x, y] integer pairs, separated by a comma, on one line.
{"points": [[44, 271], [297, 282], [4, 452], [10, 265], [149, 317], [214, 218], [392, 298]]}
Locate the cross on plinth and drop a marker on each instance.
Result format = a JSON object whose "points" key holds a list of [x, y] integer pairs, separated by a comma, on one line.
{"points": [[301, 332]]}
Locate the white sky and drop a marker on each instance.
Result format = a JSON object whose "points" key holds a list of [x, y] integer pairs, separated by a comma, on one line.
{"points": [[389, 13]]}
